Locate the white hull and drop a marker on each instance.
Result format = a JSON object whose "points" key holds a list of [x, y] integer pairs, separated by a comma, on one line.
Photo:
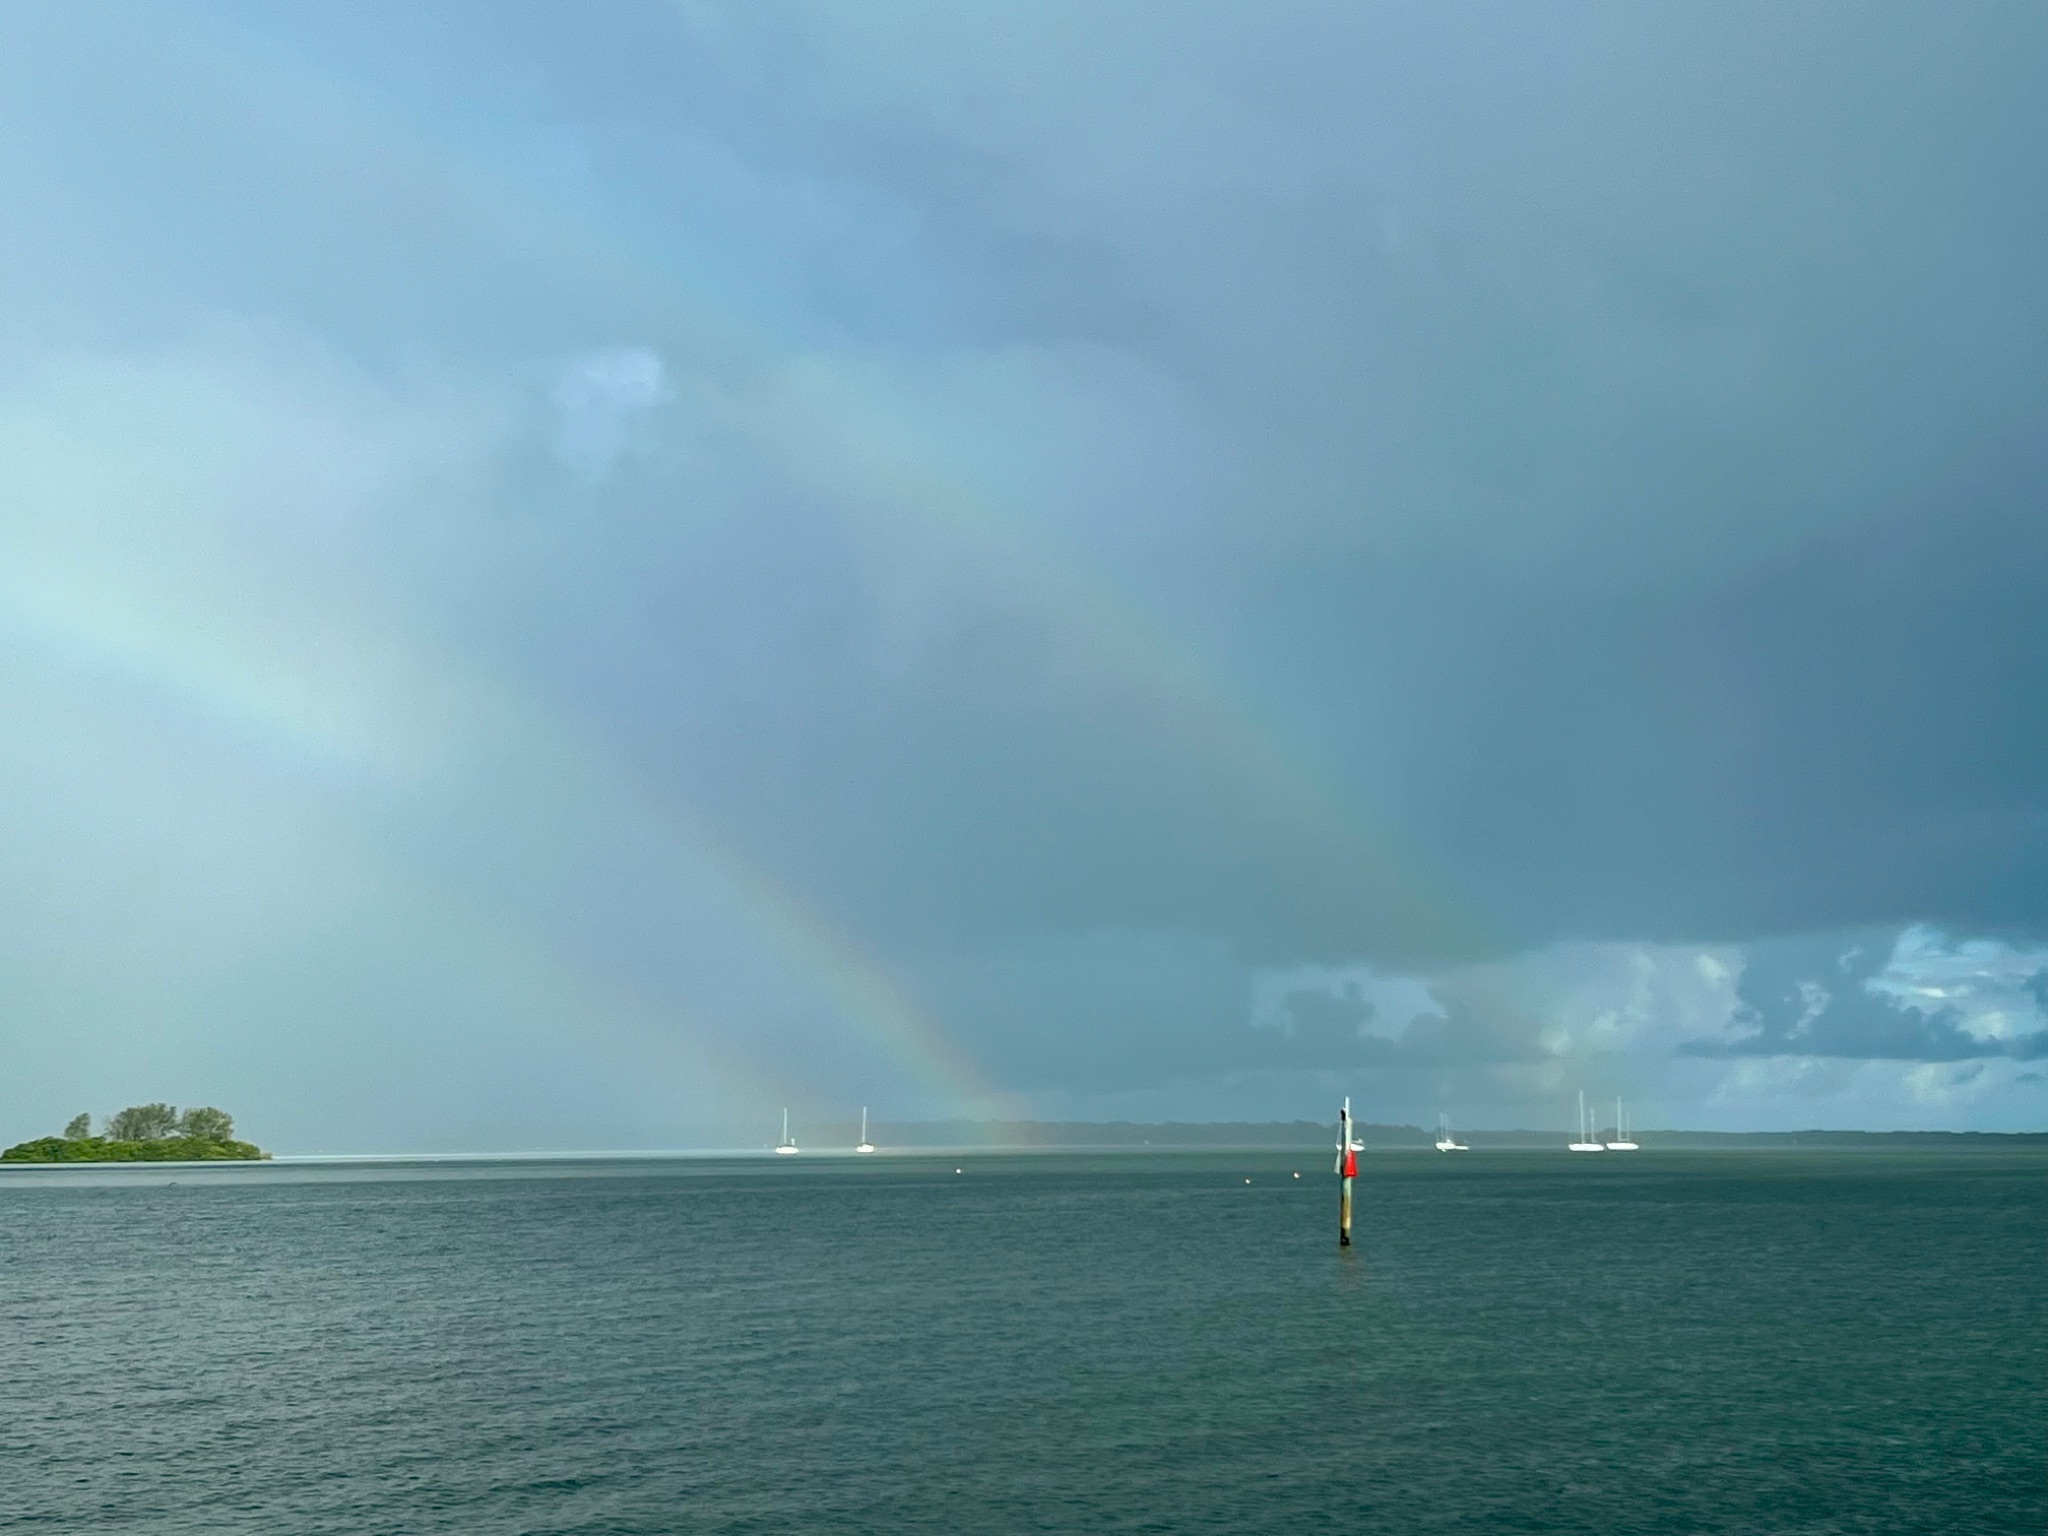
{"points": [[863, 1147], [1587, 1146], [1452, 1146], [1621, 1142], [785, 1151]]}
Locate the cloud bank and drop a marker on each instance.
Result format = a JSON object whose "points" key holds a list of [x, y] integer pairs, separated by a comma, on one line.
{"points": [[566, 579]]}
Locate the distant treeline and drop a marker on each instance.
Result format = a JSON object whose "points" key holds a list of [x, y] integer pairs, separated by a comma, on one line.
{"points": [[142, 1133], [1762, 1140], [1084, 1133], [1172, 1133], [1312, 1134], [1123, 1133]]}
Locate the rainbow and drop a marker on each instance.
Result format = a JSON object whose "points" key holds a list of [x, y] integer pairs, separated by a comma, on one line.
{"points": [[831, 433]]}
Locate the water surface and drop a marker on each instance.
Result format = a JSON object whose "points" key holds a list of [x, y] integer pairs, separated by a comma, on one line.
{"points": [[1783, 1342]]}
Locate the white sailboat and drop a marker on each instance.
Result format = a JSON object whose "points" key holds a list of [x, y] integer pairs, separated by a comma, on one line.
{"points": [[865, 1144], [786, 1147], [1445, 1142], [1585, 1143], [1621, 1142]]}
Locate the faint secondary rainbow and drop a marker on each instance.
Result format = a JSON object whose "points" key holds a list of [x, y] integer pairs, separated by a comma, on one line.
{"points": [[612, 1012], [838, 438], [263, 701], [848, 446], [864, 990], [901, 1028]]}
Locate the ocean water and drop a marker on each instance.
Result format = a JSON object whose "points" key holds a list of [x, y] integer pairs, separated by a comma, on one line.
{"points": [[1525, 1342]]}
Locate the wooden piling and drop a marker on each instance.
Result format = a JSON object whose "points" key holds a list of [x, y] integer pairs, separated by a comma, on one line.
{"points": [[1347, 1168]]}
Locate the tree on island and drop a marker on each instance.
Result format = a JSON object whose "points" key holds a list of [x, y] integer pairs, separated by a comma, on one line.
{"points": [[141, 1133], [153, 1122], [143, 1122], [208, 1124]]}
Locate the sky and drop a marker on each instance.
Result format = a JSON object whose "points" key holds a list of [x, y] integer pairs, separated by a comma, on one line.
{"points": [[573, 576]]}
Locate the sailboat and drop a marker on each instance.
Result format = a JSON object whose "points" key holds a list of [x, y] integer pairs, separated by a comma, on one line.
{"points": [[1445, 1142], [786, 1147], [865, 1144], [1621, 1143], [1585, 1143]]}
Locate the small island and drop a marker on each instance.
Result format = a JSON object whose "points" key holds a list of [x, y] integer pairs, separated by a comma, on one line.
{"points": [[142, 1133]]}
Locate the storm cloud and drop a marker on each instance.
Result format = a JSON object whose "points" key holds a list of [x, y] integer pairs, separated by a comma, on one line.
{"points": [[1863, 997], [617, 570]]}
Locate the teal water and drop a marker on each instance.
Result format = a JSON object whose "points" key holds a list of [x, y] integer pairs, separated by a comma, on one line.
{"points": [[1800, 1342]]}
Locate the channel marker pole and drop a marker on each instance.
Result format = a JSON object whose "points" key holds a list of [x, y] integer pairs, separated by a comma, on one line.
{"points": [[1347, 1166]]}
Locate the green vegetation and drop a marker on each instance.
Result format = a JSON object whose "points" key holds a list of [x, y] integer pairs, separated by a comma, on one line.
{"points": [[102, 1149], [142, 1133], [143, 1122]]}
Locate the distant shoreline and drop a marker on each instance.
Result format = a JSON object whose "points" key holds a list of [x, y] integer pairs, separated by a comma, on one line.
{"points": [[1303, 1133], [980, 1139]]}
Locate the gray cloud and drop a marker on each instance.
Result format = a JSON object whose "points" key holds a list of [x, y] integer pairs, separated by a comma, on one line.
{"points": [[1826, 997], [1532, 514], [596, 399], [1603, 650], [1323, 1029]]}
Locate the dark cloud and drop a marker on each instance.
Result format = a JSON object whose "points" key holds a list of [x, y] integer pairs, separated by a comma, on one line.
{"points": [[1842, 735], [1812, 997], [1839, 734], [1322, 1028], [1472, 1023], [1596, 564], [1478, 1020], [1090, 522]]}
